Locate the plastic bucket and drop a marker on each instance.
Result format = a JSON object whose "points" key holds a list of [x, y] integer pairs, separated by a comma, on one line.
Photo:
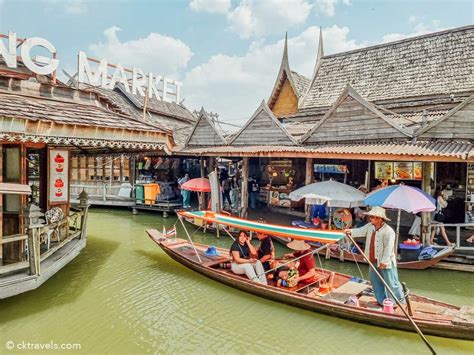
{"points": [[388, 305]]}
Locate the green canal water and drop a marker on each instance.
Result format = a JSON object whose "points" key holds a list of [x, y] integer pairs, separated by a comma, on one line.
{"points": [[124, 295]]}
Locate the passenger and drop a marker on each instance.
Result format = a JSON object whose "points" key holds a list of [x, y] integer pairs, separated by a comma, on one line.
{"points": [[243, 259], [306, 264], [265, 251], [288, 277]]}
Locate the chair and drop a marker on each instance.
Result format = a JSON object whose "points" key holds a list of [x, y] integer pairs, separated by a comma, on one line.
{"points": [[53, 218]]}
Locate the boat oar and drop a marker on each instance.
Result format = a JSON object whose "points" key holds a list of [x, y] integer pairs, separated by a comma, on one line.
{"points": [[418, 330]]}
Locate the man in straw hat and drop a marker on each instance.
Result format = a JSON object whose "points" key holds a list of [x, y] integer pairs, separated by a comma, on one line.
{"points": [[380, 249]]}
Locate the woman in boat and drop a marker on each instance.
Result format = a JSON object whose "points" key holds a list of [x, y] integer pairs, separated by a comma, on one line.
{"points": [[305, 265], [243, 259], [265, 251]]}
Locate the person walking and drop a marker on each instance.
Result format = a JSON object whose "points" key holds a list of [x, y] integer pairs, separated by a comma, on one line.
{"points": [[225, 187], [185, 193], [380, 249], [254, 189], [235, 192]]}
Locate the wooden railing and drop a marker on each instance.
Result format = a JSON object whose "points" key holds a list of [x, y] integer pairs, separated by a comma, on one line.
{"points": [[96, 191], [76, 228]]}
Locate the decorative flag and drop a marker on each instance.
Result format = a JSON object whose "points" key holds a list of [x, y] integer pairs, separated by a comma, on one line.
{"points": [[170, 233]]}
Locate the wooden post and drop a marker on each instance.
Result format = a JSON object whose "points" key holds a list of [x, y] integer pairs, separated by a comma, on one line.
{"points": [[202, 195], [308, 180], [245, 188], [426, 216], [34, 250]]}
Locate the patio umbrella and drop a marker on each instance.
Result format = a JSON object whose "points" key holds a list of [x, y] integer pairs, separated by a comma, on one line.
{"points": [[197, 185], [334, 193], [402, 197]]}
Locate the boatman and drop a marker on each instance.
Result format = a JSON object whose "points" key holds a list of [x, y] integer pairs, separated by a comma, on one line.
{"points": [[380, 249]]}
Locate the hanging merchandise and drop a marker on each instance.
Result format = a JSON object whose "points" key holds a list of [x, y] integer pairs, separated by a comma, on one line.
{"points": [[147, 164]]}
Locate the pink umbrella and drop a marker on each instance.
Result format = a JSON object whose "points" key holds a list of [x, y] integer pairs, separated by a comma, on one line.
{"points": [[197, 185]]}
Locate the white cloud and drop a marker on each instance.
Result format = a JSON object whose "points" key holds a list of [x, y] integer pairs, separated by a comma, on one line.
{"points": [[233, 86], [71, 7], [419, 29], [211, 6], [257, 18], [156, 53], [75, 7], [328, 7]]}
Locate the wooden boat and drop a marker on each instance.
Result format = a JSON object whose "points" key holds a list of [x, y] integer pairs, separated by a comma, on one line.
{"points": [[433, 317], [196, 219], [413, 265]]}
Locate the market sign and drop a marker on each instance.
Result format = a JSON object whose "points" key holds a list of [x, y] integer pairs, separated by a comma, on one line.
{"points": [[58, 176], [398, 170], [330, 169], [134, 80]]}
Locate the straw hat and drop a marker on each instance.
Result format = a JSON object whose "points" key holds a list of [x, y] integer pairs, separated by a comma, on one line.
{"points": [[298, 245], [377, 211]]}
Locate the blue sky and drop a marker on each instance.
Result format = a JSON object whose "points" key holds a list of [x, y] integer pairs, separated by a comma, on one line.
{"points": [[226, 53]]}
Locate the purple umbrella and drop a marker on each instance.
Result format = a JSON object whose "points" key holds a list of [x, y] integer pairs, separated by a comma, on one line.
{"points": [[402, 197]]}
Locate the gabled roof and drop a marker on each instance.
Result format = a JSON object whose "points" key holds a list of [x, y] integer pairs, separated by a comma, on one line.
{"points": [[205, 132], [457, 123], [263, 127], [335, 125], [298, 82], [171, 109], [434, 64]]}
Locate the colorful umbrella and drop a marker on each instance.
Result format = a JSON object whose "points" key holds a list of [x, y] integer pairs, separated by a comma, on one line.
{"points": [[402, 197], [197, 185]]}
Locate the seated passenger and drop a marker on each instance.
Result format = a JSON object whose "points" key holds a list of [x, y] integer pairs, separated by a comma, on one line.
{"points": [[243, 259], [306, 264], [265, 251]]}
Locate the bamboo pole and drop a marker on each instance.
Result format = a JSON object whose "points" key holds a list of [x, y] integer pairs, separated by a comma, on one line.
{"points": [[418, 330], [308, 180], [189, 237], [245, 188]]}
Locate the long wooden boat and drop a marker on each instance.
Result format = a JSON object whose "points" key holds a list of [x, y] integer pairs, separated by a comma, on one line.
{"points": [[197, 219], [433, 317]]}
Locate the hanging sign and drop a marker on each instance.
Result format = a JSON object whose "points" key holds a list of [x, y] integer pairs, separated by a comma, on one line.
{"points": [[134, 80], [398, 170], [58, 176], [330, 169]]}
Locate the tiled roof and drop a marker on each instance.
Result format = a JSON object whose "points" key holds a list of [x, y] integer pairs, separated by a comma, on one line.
{"points": [[301, 82], [458, 150], [433, 64], [72, 113]]}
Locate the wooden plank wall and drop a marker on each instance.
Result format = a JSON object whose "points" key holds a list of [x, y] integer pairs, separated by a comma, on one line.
{"points": [[351, 122], [263, 131], [458, 126], [205, 135], [286, 102]]}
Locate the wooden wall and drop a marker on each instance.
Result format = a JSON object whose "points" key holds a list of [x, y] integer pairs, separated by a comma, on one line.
{"points": [[205, 135], [286, 102], [262, 130], [459, 126], [351, 121]]}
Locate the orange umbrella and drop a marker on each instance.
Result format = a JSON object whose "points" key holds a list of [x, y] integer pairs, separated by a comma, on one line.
{"points": [[198, 185]]}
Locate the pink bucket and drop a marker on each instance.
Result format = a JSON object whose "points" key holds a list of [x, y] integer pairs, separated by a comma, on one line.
{"points": [[388, 305]]}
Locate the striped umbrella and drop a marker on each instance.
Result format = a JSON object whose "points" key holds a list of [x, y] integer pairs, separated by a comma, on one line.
{"points": [[402, 197]]}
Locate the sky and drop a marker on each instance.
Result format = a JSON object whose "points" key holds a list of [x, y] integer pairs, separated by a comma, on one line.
{"points": [[225, 52]]}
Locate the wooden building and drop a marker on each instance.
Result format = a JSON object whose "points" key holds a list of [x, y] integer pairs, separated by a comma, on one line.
{"points": [[102, 176], [406, 103], [42, 126]]}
